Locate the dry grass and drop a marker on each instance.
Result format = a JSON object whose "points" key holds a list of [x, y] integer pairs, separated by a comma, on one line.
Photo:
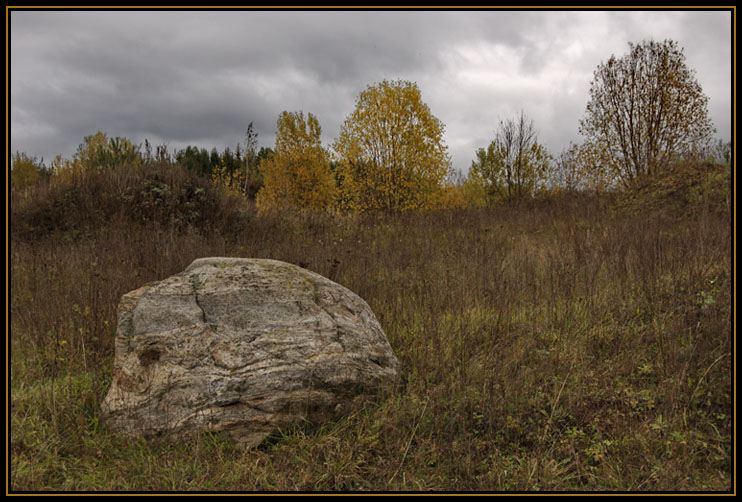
{"points": [[563, 346]]}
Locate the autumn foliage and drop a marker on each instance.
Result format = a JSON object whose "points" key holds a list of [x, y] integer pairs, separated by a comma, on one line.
{"points": [[391, 151], [646, 110], [298, 174], [646, 114]]}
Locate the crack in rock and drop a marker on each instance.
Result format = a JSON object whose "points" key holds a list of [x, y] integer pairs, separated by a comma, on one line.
{"points": [[195, 283]]}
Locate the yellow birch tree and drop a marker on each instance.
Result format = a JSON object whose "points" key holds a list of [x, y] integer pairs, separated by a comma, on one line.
{"points": [[391, 154], [298, 173]]}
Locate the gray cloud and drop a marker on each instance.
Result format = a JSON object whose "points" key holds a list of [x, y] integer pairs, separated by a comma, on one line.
{"points": [[199, 77]]}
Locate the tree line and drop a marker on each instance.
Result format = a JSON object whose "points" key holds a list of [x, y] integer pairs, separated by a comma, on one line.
{"points": [[645, 112]]}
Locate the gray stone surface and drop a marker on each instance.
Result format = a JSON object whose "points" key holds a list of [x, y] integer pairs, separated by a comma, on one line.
{"points": [[243, 346]]}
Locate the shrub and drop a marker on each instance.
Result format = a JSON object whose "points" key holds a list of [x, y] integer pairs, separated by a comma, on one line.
{"points": [[161, 193]]}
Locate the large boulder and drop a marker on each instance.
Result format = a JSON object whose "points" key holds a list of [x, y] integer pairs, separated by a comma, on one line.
{"points": [[242, 346]]}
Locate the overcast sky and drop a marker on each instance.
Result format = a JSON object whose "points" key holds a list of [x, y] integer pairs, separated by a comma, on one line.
{"points": [[200, 77]]}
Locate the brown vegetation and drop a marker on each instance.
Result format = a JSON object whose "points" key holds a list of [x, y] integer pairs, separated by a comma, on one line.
{"points": [[571, 343]]}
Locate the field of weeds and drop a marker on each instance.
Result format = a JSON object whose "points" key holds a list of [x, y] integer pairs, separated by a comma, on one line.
{"points": [[565, 345]]}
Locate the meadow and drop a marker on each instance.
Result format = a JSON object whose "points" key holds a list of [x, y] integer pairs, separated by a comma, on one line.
{"points": [[571, 343]]}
